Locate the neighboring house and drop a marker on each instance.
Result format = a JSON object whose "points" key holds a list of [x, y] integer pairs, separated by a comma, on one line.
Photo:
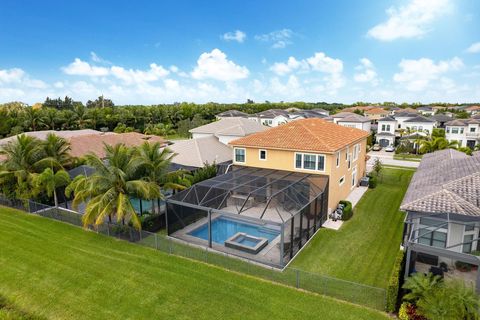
{"points": [[473, 110], [465, 131], [232, 113], [426, 110], [443, 216], [227, 129], [406, 110], [195, 153], [376, 114], [306, 114], [351, 120], [271, 117], [361, 108], [419, 123], [437, 109], [440, 120], [392, 110], [312, 146], [386, 131]]}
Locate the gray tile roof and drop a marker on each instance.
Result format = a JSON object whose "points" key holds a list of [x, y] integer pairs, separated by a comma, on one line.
{"points": [[233, 113], [389, 118], [419, 118], [350, 117], [272, 113], [441, 118], [197, 152], [447, 181], [238, 127]]}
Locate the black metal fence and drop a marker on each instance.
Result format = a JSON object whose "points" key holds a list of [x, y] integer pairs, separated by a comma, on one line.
{"points": [[361, 294]]}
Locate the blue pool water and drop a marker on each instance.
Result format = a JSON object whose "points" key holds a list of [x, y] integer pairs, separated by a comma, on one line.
{"points": [[224, 228]]}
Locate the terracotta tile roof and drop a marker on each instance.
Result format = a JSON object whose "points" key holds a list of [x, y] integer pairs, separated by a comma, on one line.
{"points": [[376, 111], [82, 145], [312, 134]]}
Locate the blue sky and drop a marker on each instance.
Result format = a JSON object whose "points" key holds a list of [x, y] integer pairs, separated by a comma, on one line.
{"points": [[147, 52]]}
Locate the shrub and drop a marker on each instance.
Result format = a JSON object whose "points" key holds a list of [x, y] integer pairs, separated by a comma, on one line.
{"points": [[394, 283], [347, 210], [463, 266], [372, 184], [403, 313]]}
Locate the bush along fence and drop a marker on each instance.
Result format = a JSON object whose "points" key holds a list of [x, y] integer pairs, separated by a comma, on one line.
{"points": [[357, 293], [395, 283]]}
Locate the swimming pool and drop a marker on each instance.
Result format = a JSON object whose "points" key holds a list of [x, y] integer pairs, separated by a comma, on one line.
{"points": [[224, 228]]}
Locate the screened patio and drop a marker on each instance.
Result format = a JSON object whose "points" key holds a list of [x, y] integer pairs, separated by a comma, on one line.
{"points": [[258, 214]]}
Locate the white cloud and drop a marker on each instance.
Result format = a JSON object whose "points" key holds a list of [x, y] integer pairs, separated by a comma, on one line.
{"points": [[474, 48], [96, 58], [282, 68], [82, 68], [321, 62], [215, 65], [130, 76], [11, 75], [410, 21], [366, 72], [417, 75], [279, 38], [237, 35]]}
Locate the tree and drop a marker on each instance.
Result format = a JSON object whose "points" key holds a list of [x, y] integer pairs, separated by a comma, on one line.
{"points": [[419, 285], [100, 102], [377, 166], [438, 133], [33, 118], [109, 189], [49, 181], [50, 118], [57, 152]]}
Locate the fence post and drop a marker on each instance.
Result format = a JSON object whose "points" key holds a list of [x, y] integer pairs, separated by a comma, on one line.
{"points": [[298, 278], [156, 241]]}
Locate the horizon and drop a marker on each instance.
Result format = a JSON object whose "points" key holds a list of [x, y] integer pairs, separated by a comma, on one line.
{"points": [[403, 51]]}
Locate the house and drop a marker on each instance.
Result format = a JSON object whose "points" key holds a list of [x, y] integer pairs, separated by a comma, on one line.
{"points": [[441, 119], [465, 131], [360, 108], [437, 109], [473, 110], [227, 129], [392, 110], [305, 114], [376, 114], [351, 120], [312, 146], [231, 113], [419, 123], [442, 225], [406, 110], [386, 131], [271, 117], [193, 154], [426, 110]]}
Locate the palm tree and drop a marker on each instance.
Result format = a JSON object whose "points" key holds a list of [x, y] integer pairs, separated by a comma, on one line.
{"points": [[57, 152], [154, 162], [33, 118], [50, 181], [23, 159], [109, 189], [419, 285], [50, 118]]}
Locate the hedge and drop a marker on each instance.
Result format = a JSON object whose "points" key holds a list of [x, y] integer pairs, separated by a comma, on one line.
{"points": [[394, 283], [372, 183], [347, 210]]}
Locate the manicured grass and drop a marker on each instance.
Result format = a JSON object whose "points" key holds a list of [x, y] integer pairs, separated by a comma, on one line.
{"points": [[63, 272], [364, 248], [408, 157]]}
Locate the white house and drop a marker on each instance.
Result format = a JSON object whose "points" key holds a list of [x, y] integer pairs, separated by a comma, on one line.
{"points": [[271, 117], [419, 123], [386, 131], [351, 120], [426, 110], [232, 114], [465, 131], [401, 117], [228, 129]]}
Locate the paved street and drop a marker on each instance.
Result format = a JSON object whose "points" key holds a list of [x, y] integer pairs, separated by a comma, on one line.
{"points": [[387, 159]]}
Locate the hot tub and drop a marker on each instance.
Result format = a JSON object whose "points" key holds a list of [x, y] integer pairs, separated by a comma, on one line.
{"points": [[244, 242]]}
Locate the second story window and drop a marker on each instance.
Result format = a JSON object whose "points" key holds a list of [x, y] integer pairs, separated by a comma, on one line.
{"points": [[472, 129], [240, 155], [263, 154], [308, 161], [338, 159]]}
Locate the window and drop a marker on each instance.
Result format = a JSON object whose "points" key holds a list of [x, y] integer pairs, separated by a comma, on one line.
{"points": [[308, 161], [420, 128], [467, 247], [298, 161], [429, 237], [354, 177], [262, 154], [454, 130], [448, 130], [338, 159], [341, 181], [239, 155], [356, 151], [472, 129], [349, 161], [346, 154], [469, 227], [461, 130], [384, 127]]}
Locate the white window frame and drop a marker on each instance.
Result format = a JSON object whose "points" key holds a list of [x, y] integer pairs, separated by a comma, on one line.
{"points": [[235, 155], [349, 161], [337, 159], [341, 181], [302, 154], [356, 151], [260, 154], [354, 177]]}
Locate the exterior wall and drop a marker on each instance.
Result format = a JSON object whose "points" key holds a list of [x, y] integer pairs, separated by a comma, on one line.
{"points": [[358, 125], [278, 120], [201, 135], [393, 126], [470, 132], [285, 160], [226, 139], [427, 113], [374, 117], [425, 126], [400, 121]]}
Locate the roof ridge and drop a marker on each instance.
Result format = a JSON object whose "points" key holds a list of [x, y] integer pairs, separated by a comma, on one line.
{"points": [[316, 138]]}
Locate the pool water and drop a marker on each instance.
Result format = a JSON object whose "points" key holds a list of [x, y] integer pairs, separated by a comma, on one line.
{"points": [[248, 242], [224, 228]]}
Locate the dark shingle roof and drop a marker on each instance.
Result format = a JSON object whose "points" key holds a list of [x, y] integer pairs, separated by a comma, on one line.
{"points": [[272, 113], [233, 113], [420, 119]]}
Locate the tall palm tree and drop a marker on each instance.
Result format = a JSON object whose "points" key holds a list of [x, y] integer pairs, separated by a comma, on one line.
{"points": [[50, 118], [419, 285], [33, 118], [153, 163], [57, 152], [109, 189], [23, 159], [49, 181]]}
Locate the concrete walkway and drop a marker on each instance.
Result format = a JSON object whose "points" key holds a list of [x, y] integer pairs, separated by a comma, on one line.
{"points": [[354, 197], [386, 158]]}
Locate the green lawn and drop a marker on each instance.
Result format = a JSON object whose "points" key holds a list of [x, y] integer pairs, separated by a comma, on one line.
{"points": [[63, 272], [364, 248], [408, 157]]}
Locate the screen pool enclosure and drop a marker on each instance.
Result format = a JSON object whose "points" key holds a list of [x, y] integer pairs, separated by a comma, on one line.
{"points": [[259, 214]]}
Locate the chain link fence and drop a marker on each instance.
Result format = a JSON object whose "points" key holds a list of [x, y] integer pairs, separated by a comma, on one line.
{"points": [[357, 293]]}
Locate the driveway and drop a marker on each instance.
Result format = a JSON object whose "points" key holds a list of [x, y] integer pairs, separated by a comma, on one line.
{"points": [[386, 158]]}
